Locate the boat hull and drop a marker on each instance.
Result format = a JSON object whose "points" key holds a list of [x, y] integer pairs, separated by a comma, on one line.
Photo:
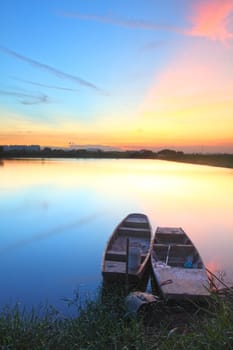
{"points": [[178, 271], [126, 260]]}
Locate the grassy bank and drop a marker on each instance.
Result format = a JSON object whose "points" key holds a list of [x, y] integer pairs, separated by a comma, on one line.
{"points": [[104, 325], [218, 160]]}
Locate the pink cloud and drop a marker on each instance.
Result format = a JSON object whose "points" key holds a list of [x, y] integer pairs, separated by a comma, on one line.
{"points": [[211, 19]]}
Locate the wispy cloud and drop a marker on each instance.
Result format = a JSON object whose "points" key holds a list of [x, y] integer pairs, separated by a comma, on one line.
{"points": [[26, 99], [211, 20], [45, 85], [49, 69], [123, 22]]}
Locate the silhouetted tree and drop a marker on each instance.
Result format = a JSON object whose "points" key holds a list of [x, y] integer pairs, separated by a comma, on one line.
{"points": [[47, 149]]}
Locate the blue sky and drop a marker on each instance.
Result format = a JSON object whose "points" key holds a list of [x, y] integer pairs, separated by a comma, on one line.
{"points": [[91, 72]]}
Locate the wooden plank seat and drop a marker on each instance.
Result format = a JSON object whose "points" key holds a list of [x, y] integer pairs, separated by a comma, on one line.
{"points": [[118, 255], [133, 223], [115, 266], [134, 232], [179, 248], [169, 237]]}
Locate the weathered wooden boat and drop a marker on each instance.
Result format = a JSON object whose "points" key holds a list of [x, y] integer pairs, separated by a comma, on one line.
{"points": [[127, 255], [177, 268]]}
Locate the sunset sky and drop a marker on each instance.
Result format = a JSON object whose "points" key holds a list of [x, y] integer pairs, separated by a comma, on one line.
{"points": [[127, 74]]}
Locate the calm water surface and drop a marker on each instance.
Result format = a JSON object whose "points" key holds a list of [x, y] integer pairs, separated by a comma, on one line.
{"points": [[56, 216]]}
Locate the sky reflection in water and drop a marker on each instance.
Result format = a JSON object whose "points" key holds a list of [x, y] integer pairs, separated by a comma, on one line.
{"points": [[56, 217]]}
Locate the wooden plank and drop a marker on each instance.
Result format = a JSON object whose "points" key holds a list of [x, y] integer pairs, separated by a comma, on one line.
{"points": [[178, 282], [170, 230], [116, 255], [171, 235], [116, 252], [115, 266], [134, 218], [137, 221], [134, 231]]}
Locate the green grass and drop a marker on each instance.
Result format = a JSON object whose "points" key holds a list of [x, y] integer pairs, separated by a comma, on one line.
{"points": [[102, 324]]}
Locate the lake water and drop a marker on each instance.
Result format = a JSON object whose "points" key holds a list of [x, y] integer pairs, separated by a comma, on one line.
{"points": [[56, 216]]}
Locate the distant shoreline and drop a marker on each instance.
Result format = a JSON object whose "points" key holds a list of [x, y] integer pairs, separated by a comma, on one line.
{"points": [[217, 160]]}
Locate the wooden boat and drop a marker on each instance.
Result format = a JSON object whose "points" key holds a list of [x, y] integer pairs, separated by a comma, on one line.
{"points": [[177, 268], [127, 254]]}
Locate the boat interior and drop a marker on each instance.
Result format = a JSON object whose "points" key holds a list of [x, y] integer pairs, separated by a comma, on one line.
{"points": [[174, 248], [138, 235], [177, 255]]}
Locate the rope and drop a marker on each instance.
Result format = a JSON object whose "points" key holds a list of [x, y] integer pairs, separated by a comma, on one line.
{"points": [[218, 279]]}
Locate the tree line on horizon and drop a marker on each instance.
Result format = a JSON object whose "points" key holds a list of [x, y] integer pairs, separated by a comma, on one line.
{"points": [[221, 159]]}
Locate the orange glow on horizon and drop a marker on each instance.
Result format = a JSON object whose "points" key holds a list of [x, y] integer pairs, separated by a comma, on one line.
{"points": [[188, 106], [126, 144], [151, 130]]}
